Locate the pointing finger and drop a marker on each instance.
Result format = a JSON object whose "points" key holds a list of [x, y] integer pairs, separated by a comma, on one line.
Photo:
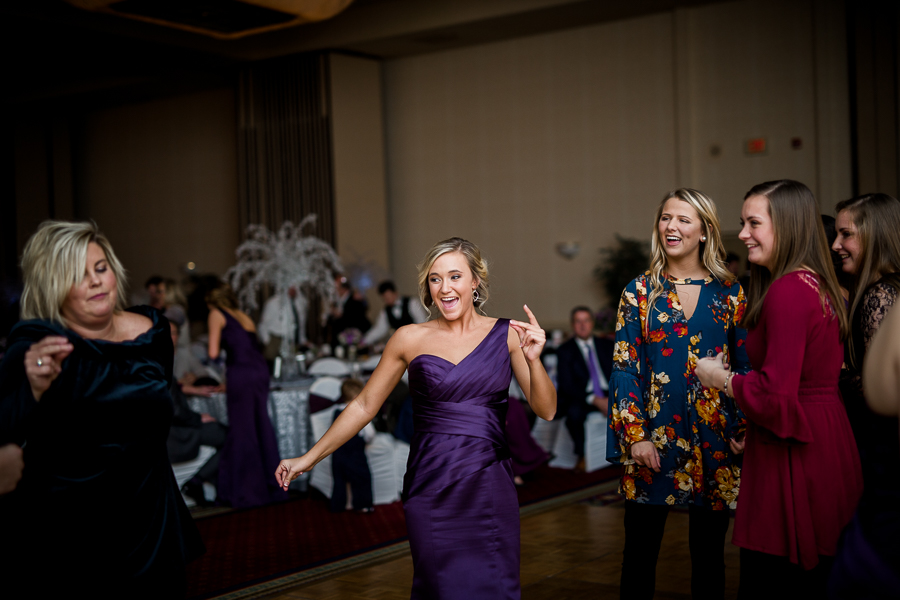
{"points": [[530, 314]]}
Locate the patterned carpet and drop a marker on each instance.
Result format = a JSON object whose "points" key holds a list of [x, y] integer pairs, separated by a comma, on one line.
{"points": [[259, 551]]}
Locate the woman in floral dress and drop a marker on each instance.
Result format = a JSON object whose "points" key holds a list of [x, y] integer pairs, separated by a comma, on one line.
{"points": [[678, 440]]}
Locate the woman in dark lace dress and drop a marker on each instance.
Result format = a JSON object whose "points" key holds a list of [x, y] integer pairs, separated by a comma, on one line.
{"points": [[868, 565]]}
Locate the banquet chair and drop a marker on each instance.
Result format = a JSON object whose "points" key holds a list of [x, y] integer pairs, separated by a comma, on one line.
{"points": [[330, 366], [370, 363], [596, 428], [554, 438], [185, 470], [383, 454]]}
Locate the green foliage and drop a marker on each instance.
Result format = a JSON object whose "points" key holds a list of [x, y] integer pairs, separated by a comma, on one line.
{"points": [[620, 264]]}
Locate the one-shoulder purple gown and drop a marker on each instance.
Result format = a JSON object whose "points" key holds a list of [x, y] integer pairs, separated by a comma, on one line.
{"points": [[250, 455], [462, 512]]}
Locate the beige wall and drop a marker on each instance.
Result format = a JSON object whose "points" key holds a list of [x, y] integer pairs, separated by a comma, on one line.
{"points": [[160, 180], [360, 206], [575, 135]]}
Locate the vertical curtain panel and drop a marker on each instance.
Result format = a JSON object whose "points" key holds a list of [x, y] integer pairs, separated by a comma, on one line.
{"points": [[284, 144]]}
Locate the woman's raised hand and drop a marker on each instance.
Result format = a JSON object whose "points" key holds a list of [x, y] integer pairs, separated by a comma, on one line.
{"points": [[43, 362], [290, 469], [531, 337]]}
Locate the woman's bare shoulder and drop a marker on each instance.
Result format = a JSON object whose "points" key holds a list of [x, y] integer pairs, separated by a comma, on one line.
{"points": [[415, 332], [130, 325]]}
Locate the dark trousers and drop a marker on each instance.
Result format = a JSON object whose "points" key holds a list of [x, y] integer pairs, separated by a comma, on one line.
{"points": [[576, 415], [776, 577], [211, 434], [351, 466], [644, 528]]}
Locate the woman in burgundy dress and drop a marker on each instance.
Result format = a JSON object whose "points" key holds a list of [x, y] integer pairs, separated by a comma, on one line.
{"points": [[458, 494], [251, 449], [801, 479]]}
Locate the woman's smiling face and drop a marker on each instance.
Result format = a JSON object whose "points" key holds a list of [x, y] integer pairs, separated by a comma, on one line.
{"points": [[758, 231], [451, 283], [680, 229], [847, 242]]}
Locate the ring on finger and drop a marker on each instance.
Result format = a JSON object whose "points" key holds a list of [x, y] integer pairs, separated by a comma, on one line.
{"points": [[40, 362]]}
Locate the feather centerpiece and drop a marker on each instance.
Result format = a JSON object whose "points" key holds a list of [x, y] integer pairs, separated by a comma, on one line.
{"points": [[283, 260]]}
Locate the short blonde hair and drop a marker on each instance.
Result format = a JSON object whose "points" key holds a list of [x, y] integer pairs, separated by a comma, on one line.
{"points": [[477, 264], [54, 261]]}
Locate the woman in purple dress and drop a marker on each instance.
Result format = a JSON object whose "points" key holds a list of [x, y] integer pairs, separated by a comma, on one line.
{"points": [[251, 449], [462, 513]]}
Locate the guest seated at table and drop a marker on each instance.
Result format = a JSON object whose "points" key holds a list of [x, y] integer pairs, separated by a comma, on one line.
{"points": [[190, 430], [349, 466], [188, 368], [398, 311], [386, 421], [349, 312], [251, 449], [583, 371]]}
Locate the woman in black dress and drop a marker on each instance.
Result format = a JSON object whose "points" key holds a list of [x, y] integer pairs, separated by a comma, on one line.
{"points": [[84, 388]]}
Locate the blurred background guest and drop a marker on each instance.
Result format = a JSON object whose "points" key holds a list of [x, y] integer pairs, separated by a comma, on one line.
{"points": [[188, 369], [349, 465], [868, 564], [583, 369], [85, 388], [733, 264], [175, 304], [398, 311], [251, 449], [190, 430], [283, 316], [348, 312], [156, 292]]}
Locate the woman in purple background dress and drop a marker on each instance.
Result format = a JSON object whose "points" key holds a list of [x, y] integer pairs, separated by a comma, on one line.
{"points": [[462, 512], [251, 449]]}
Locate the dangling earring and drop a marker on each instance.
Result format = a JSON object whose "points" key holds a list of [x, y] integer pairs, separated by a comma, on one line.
{"points": [[475, 296]]}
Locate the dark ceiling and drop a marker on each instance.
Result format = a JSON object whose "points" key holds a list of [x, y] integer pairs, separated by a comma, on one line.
{"points": [[68, 57]]}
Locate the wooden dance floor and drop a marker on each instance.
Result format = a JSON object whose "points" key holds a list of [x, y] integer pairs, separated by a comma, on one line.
{"points": [[570, 552]]}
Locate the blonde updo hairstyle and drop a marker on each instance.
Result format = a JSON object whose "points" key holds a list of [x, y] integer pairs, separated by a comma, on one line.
{"points": [[477, 265], [55, 260]]}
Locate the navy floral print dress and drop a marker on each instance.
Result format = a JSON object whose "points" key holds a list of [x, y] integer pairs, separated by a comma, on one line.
{"points": [[655, 396]]}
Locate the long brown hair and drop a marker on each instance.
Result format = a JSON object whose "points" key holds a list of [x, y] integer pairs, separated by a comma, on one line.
{"points": [[799, 243], [712, 251], [222, 297], [877, 221]]}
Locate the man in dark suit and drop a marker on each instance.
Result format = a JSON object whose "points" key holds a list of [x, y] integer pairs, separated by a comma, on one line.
{"points": [[583, 370], [349, 312]]}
